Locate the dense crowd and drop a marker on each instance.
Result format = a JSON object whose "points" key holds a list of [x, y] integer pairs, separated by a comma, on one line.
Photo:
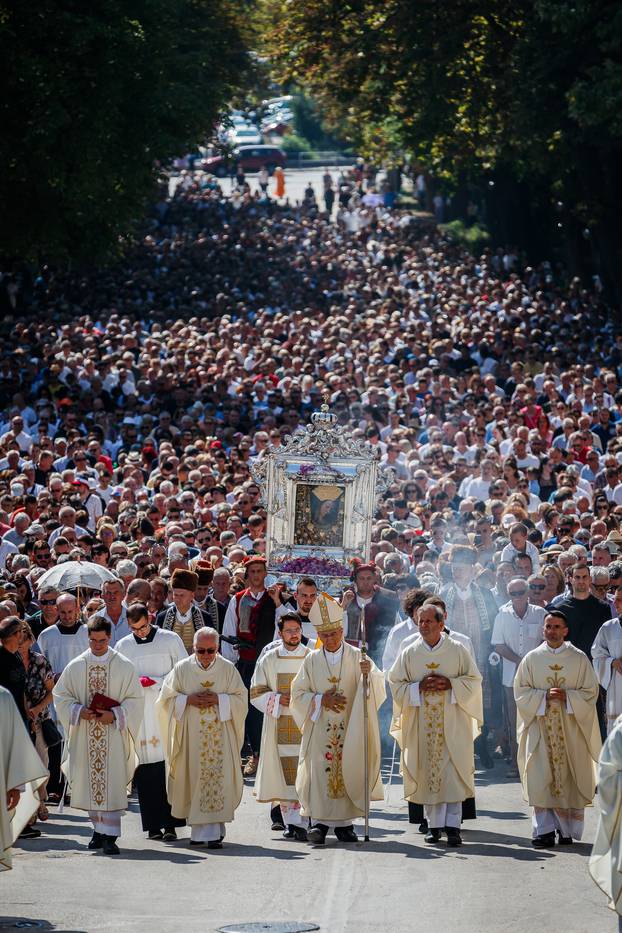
{"points": [[138, 397]]}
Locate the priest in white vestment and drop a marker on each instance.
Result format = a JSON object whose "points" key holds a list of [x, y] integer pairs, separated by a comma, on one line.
{"points": [[605, 864], [437, 713], [99, 702], [154, 652], [415, 810], [558, 736], [202, 709], [270, 692], [21, 773], [607, 660], [327, 705]]}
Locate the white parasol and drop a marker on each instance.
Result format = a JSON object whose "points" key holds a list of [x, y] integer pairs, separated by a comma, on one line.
{"points": [[76, 574]]}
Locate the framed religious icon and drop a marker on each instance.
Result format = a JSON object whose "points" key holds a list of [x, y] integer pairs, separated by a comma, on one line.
{"points": [[320, 490]]}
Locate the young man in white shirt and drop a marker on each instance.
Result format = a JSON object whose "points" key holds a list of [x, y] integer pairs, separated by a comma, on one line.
{"points": [[517, 630]]}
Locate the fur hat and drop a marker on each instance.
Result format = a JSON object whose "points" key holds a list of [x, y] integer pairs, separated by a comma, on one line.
{"points": [[204, 572], [184, 580]]}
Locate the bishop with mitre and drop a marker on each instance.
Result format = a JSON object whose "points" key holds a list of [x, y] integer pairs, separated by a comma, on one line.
{"points": [[99, 702], [202, 707], [437, 713], [327, 706], [558, 736]]}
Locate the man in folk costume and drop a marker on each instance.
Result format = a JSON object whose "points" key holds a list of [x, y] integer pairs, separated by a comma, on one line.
{"points": [[606, 857], [21, 773], [250, 620], [381, 609], [471, 610], [202, 707], [437, 712], [607, 660], [99, 702], [327, 705], [281, 737], [205, 573], [184, 617], [558, 735], [154, 653]]}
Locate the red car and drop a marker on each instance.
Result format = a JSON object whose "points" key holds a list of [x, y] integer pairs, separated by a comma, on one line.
{"points": [[252, 158]]}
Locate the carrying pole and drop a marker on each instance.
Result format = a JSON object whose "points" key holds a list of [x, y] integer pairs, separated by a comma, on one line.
{"points": [[365, 724]]}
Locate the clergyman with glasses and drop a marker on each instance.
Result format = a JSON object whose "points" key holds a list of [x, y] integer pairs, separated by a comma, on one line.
{"points": [[202, 709]]}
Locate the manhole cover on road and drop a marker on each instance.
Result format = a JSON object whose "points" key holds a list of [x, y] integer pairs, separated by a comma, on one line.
{"points": [[287, 926]]}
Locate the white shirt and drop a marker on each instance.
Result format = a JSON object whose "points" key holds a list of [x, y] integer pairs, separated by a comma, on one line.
{"points": [[395, 641], [519, 635], [509, 552], [230, 626], [119, 629]]}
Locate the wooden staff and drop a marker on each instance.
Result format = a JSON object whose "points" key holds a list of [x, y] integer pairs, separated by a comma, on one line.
{"points": [[365, 724]]}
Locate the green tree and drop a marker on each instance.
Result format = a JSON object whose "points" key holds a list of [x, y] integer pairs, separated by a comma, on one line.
{"points": [[522, 100], [93, 95]]}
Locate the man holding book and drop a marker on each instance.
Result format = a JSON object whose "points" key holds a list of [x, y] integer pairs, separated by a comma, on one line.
{"points": [[99, 702]]}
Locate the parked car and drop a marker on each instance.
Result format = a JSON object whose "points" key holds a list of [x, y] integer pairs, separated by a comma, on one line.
{"points": [[247, 136], [250, 157]]}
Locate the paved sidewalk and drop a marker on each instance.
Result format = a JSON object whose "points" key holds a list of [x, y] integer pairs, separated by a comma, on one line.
{"points": [[496, 883]]}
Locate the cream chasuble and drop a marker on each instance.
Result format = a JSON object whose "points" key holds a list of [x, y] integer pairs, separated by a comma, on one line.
{"points": [[607, 647], [99, 760], [154, 659], [558, 743], [330, 781], [280, 737], [202, 746], [605, 864], [19, 765], [435, 730]]}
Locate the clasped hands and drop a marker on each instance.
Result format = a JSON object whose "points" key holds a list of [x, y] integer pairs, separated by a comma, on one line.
{"points": [[203, 699], [336, 702], [617, 665], [556, 693], [434, 683]]}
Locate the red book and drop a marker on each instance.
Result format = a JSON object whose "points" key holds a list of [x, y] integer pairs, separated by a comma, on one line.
{"points": [[101, 703], [147, 681]]}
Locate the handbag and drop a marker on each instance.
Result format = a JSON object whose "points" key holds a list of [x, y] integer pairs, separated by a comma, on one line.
{"points": [[50, 732]]}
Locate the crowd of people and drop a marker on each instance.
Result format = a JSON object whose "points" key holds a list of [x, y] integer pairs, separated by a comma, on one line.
{"points": [[138, 398]]}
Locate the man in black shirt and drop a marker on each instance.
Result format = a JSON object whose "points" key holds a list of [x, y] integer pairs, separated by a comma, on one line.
{"points": [[585, 615], [584, 612], [12, 671]]}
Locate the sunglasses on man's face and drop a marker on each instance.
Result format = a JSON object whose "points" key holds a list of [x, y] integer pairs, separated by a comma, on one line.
{"points": [[537, 587], [47, 602], [205, 650]]}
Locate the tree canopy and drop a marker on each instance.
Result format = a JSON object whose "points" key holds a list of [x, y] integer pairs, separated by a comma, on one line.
{"points": [[93, 94], [529, 91]]}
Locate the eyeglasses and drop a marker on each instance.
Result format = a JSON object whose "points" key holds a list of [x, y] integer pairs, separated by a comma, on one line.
{"points": [[141, 626], [205, 650], [537, 587], [515, 593], [47, 602]]}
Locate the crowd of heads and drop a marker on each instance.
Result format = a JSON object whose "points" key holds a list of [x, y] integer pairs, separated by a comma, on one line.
{"points": [[139, 396]]}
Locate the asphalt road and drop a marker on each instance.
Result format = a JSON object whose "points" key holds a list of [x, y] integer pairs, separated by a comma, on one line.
{"points": [[296, 180], [496, 883]]}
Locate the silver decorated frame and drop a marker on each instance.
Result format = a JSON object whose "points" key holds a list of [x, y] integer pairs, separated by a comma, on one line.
{"points": [[321, 454]]}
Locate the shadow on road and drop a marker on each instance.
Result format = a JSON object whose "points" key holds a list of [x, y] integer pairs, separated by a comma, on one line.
{"points": [[25, 923]]}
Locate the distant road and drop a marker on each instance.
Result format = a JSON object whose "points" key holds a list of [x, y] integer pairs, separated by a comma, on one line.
{"points": [[296, 180]]}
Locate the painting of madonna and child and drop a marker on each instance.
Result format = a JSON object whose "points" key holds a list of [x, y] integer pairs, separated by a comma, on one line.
{"points": [[319, 515]]}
